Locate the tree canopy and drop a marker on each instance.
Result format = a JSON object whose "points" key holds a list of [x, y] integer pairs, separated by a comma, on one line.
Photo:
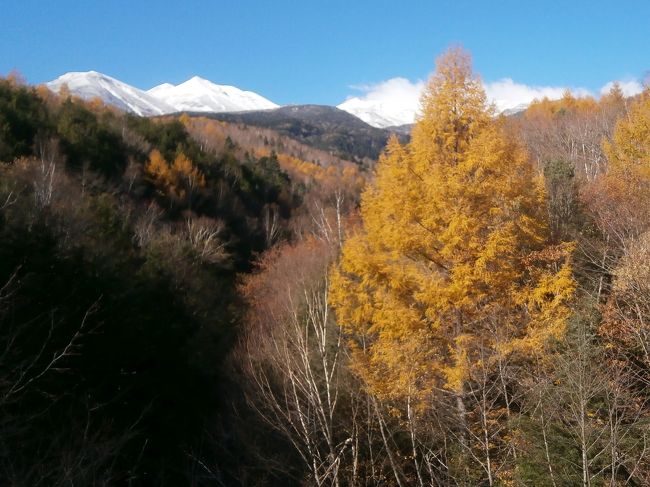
{"points": [[452, 259]]}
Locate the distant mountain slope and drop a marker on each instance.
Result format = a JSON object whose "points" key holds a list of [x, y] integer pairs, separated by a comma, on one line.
{"points": [[91, 84], [323, 127], [200, 95]]}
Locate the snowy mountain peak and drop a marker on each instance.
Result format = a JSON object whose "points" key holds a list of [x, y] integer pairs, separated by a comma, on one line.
{"points": [[162, 87], [199, 80], [196, 94], [91, 84], [201, 95], [380, 113], [79, 78], [393, 113]]}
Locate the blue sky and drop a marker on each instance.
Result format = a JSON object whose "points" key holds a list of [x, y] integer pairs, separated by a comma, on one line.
{"points": [[316, 51]]}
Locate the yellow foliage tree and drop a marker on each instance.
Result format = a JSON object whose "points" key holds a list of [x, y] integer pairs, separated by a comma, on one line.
{"points": [[451, 265], [158, 169], [186, 178], [629, 151], [620, 201], [180, 179]]}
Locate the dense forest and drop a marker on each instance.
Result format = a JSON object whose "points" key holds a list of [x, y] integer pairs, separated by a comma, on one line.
{"points": [[188, 301]]}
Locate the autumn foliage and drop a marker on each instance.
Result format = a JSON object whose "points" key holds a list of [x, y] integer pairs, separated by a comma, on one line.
{"points": [[620, 202], [185, 301], [453, 257], [181, 178]]}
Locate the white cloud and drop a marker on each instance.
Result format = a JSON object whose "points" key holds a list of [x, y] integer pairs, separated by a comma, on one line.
{"points": [[397, 101], [399, 88], [629, 87], [391, 102], [507, 94]]}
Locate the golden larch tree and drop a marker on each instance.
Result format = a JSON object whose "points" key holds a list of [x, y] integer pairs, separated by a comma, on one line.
{"points": [[180, 179], [187, 178], [629, 151], [620, 202], [452, 263], [158, 170]]}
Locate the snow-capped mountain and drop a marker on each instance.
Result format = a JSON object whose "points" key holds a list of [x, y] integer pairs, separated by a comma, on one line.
{"points": [[382, 114], [200, 95], [379, 113], [196, 95], [91, 84], [521, 107]]}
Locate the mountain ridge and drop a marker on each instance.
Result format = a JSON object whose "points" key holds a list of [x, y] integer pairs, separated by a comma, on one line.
{"points": [[199, 95], [92, 84], [196, 94]]}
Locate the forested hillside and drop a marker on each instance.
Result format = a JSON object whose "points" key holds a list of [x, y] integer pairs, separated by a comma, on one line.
{"points": [[121, 242], [189, 301]]}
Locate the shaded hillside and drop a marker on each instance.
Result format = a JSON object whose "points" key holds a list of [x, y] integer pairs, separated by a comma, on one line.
{"points": [[322, 127], [120, 239]]}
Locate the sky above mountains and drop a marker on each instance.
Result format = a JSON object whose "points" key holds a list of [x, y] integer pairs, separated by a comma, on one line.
{"points": [[328, 51]]}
